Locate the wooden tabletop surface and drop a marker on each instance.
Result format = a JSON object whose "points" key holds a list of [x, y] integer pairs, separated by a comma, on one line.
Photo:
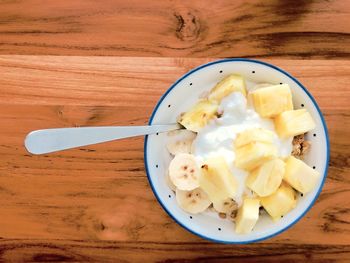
{"points": [[88, 63]]}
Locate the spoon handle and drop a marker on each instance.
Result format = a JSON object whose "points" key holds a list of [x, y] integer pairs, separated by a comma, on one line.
{"points": [[52, 140]]}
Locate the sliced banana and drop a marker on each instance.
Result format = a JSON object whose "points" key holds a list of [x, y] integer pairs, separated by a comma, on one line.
{"points": [[180, 141], [179, 147], [194, 201], [169, 182], [227, 206], [184, 172]]}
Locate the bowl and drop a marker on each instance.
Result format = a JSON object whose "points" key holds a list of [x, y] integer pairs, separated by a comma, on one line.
{"points": [[182, 95]]}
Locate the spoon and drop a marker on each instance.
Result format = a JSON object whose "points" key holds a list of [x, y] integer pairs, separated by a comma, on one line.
{"points": [[53, 140]]}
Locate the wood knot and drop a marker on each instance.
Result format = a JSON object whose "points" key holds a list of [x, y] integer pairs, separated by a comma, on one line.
{"points": [[188, 26]]}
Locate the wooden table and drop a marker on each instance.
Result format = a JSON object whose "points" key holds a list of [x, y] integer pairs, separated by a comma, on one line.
{"points": [[94, 203]]}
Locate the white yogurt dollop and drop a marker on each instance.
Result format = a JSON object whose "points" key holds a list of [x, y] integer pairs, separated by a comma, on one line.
{"points": [[216, 139]]}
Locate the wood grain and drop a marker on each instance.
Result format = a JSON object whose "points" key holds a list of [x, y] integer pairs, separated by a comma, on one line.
{"points": [[103, 251], [288, 29], [95, 204]]}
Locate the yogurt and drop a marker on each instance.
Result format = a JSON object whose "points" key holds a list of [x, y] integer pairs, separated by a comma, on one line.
{"points": [[216, 138]]}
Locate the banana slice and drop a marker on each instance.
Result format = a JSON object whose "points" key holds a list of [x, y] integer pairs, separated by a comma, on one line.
{"points": [[194, 202], [180, 141], [184, 172], [227, 206], [169, 182]]}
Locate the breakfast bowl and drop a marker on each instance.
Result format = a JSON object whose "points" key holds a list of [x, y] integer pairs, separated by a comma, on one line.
{"points": [[184, 93]]}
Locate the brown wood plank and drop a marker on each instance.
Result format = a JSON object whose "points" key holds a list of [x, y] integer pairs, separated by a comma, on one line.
{"points": [[302, 29], [93, 194], [92, 251]]}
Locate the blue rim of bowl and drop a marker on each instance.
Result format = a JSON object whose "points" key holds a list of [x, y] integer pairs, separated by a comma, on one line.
{"points": [[323, 124]]}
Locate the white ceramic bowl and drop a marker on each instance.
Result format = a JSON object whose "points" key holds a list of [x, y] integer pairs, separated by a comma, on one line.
{"points": [[184, 93]]}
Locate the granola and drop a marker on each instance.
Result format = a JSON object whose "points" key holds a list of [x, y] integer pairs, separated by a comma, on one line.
{"points": [[300, 146]]}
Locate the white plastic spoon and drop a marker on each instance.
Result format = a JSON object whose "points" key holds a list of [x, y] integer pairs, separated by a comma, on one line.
{"points": [[53, 140]]}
